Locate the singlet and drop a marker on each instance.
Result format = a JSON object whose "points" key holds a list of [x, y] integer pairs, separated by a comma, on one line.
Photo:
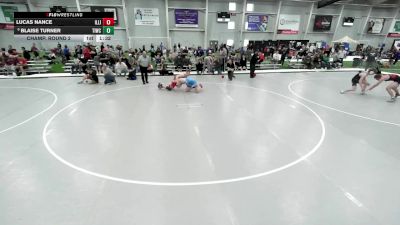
{"points": [[190, 82], [393, 77]]}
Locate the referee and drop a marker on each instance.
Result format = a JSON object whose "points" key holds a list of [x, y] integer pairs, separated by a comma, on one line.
{"points": [[144, 62]]}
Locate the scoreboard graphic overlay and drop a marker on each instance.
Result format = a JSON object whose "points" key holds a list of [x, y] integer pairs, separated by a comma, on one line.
{"points": [[68, 26]]}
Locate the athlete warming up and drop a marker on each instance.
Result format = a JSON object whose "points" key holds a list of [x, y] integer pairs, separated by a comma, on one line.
{"points": [[392, 88]]}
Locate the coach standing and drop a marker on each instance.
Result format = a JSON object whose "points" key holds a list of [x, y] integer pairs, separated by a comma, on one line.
{"points": [[144, 62]]}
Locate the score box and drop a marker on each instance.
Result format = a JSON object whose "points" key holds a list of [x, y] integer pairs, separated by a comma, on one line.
{"points": [[108, 30], [108, 22]]}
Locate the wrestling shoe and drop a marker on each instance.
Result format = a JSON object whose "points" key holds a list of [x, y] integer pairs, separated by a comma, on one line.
{"points": [[392, 99]]}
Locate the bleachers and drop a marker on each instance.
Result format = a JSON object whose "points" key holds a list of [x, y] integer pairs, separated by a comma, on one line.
{"points": [[38, 66], [68, 65], [44, 66]]}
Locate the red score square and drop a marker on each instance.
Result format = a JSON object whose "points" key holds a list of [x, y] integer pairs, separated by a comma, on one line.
{"points": [[108, 21]]}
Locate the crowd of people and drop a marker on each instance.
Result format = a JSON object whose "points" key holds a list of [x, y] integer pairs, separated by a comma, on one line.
{"points": [[166, 61]]}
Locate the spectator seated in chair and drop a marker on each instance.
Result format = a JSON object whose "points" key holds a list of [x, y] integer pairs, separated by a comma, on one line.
{"points": [[21, 66], [150, 68]]}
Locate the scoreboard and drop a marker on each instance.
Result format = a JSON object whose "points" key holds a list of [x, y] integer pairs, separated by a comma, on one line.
{"points": [[64, 26]]}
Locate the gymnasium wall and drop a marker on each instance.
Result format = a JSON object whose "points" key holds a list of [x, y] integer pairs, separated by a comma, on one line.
{"points": [[136, 36]]}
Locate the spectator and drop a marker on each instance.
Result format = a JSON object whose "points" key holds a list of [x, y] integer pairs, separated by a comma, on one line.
{"points": [[312, 48], [21, 66], [283, 56], [102, 47], [11, 63], [96, 63], [109, 77], [58, 51], [230, 67], [121, 68], [90, 77], [218, 64], [208, 61], [76, 68], [223, 53], [341, 55], [276, 57], [10, 49], [261, 57], [307, 60], [396, 57], [26, 54], [200, 66], [35, 50], [253, 62], [66, 53], [325, 61], [243, 62], [86, 53]]}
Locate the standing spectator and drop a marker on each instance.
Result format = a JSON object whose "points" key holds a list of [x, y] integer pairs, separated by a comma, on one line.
{"points": [[261, 57], [86, 53], [119, 51], [283, 56], [230, 67], [208, 61], [96, 63], [396, 57], [102, 47], [341, 55], [144, 62], [78, 51], [243, 62], [223, 53], [58, 50], [371, 60], [26, 54], [35, 50], [218, 64], [200, 66], [253, 62], [66, 52], [131, 62]]}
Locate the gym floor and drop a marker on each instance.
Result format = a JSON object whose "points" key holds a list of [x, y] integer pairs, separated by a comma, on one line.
{"points": [[284, 149]]}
